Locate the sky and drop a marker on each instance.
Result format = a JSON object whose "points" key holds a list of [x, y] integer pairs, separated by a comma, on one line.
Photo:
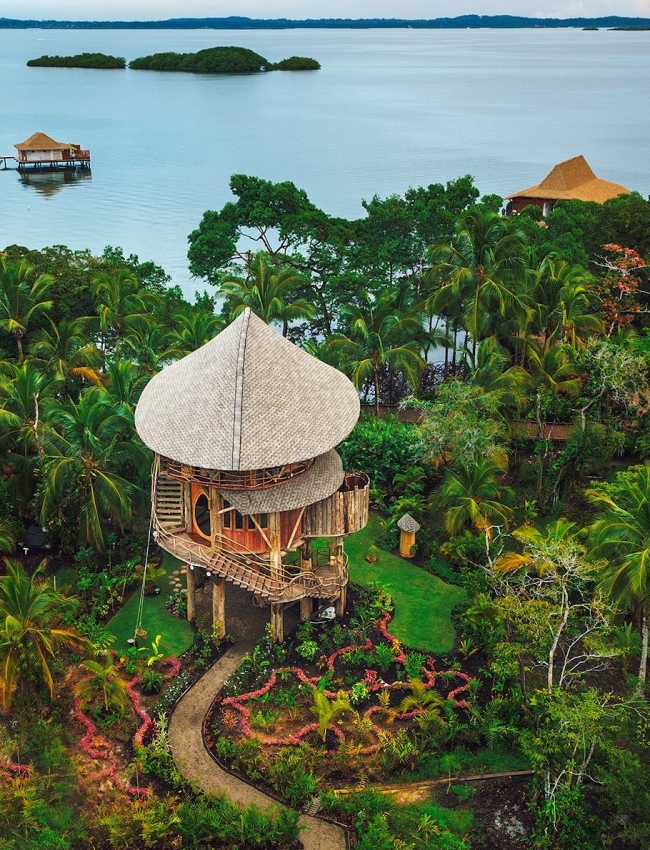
{"points": [[130, 10]]}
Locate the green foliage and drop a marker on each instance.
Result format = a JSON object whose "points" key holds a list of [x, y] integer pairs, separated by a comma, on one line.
{"points": [[383, 447], [297, 63], [289, 774], [214, 60], [80, 60]]}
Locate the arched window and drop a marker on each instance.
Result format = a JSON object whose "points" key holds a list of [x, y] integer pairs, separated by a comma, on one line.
{"points": [[201, 514]]}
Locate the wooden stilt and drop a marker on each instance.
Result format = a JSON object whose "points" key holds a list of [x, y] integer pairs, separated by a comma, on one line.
{"points": [[306, 608], [218, 606], [306, 566], [190, 580], [339, 563], [277, 622], [275, 563]]}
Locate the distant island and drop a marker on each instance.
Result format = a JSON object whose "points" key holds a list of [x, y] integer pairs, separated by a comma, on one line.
{"points": [[243, 23], [220, 60], [80, 60]]}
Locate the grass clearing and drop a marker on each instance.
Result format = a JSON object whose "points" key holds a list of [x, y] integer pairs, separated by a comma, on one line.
{"points": [[177, 634], [423, 602]]}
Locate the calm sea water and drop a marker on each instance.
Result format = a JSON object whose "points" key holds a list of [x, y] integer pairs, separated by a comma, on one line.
{"points": [[387, 111]]}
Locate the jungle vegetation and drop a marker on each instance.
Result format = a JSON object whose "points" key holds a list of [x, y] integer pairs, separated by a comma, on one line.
{"points": [[504, 370]]}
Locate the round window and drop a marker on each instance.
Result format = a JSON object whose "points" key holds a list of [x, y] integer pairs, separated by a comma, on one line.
{"points": [[202, 515]]}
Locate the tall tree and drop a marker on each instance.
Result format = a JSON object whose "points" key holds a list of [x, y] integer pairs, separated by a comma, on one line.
{"points": [[383, 331], [95, 448], [22, 300], [269, 291], [472, 495], [620, 537], [483, 269]]}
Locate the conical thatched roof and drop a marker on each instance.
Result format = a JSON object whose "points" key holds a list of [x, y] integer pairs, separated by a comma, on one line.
{"points": [[324, 478], [408, 524], [572, 180], [41, 142], [248, 399]]}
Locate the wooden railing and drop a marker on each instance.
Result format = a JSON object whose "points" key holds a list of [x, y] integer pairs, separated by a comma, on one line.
{"points": [[252, 479], [344, 512], [246, 569]]}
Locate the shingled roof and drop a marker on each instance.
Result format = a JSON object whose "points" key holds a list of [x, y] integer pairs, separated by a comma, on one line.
{"points": [[572, 180], [248, 399], [42, 142]]}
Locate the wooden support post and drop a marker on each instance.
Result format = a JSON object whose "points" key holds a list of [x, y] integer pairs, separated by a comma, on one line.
{"points": [[275, 564], [277, 622], [218, 606], [406, 544], [187, 505], [339, 563], [306, 566], [190, 581], [216, 504]]}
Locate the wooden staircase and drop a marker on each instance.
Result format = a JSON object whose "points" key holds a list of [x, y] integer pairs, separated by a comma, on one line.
{"points": [[242, 569], [169, 504]]}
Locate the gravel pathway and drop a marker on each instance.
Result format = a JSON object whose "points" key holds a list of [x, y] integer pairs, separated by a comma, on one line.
{"points": [[195, 763]]}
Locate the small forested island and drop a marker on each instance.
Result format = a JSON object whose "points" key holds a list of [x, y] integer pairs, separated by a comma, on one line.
{"points": [[220, 60], [80, 60]]}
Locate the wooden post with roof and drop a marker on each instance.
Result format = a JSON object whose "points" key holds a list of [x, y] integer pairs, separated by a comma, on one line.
{"points": [[245, 469]]}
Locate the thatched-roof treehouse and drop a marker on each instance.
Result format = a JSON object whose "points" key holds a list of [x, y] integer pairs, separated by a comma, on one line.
{"points": [[571, 180], [39, 151], [245, 472]]}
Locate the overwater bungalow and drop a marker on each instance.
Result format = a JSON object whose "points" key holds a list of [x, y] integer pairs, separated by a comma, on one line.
{"points": [[41, 151], [246, 474], [571, 180]]}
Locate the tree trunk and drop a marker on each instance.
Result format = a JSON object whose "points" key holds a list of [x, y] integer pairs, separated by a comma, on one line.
{"points": [[376, 391], [19, 343], [644, 652]]}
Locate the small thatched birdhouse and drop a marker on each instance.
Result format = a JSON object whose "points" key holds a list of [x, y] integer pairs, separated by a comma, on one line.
{"points": [[408, 529]]}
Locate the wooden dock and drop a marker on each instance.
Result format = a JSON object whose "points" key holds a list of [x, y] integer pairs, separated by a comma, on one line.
{"points": [[5, 160]]}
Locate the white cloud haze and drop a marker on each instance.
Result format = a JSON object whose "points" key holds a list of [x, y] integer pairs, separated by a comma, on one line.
{"points": [[162, 9]]}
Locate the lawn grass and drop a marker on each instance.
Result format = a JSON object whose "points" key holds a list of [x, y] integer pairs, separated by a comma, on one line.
{"points": [[423, 602], [177, 635]]}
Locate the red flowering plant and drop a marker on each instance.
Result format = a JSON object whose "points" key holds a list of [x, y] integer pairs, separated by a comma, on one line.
{"points": [[618, 287]]}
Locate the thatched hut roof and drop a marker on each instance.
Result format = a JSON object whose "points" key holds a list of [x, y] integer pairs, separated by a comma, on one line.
{"points": [[324, 478], [408, 524], [42, 142], [572, 180], [248, 399]]}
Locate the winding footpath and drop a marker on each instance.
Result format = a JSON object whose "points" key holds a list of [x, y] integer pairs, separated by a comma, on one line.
{"points": [[197, 765]]}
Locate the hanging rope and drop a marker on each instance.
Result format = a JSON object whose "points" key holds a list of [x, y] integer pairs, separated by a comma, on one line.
{"points": [[138, 622]]}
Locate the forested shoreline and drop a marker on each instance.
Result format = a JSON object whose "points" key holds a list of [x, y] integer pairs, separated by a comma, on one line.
{"points": [[492, 330]]}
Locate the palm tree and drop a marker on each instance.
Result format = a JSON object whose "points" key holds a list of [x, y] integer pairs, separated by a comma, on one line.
{"points": [[94, 445], [490, 369], [31, 631], [620, 536], [192, 330], [472, 495], [425, 702], [383, 331], [66, 353], [23, 390], [484, 270], [124, 381], [105, 680], [268, 291], [563, 298], [121, 301], [8, 535], [21, 301]]}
